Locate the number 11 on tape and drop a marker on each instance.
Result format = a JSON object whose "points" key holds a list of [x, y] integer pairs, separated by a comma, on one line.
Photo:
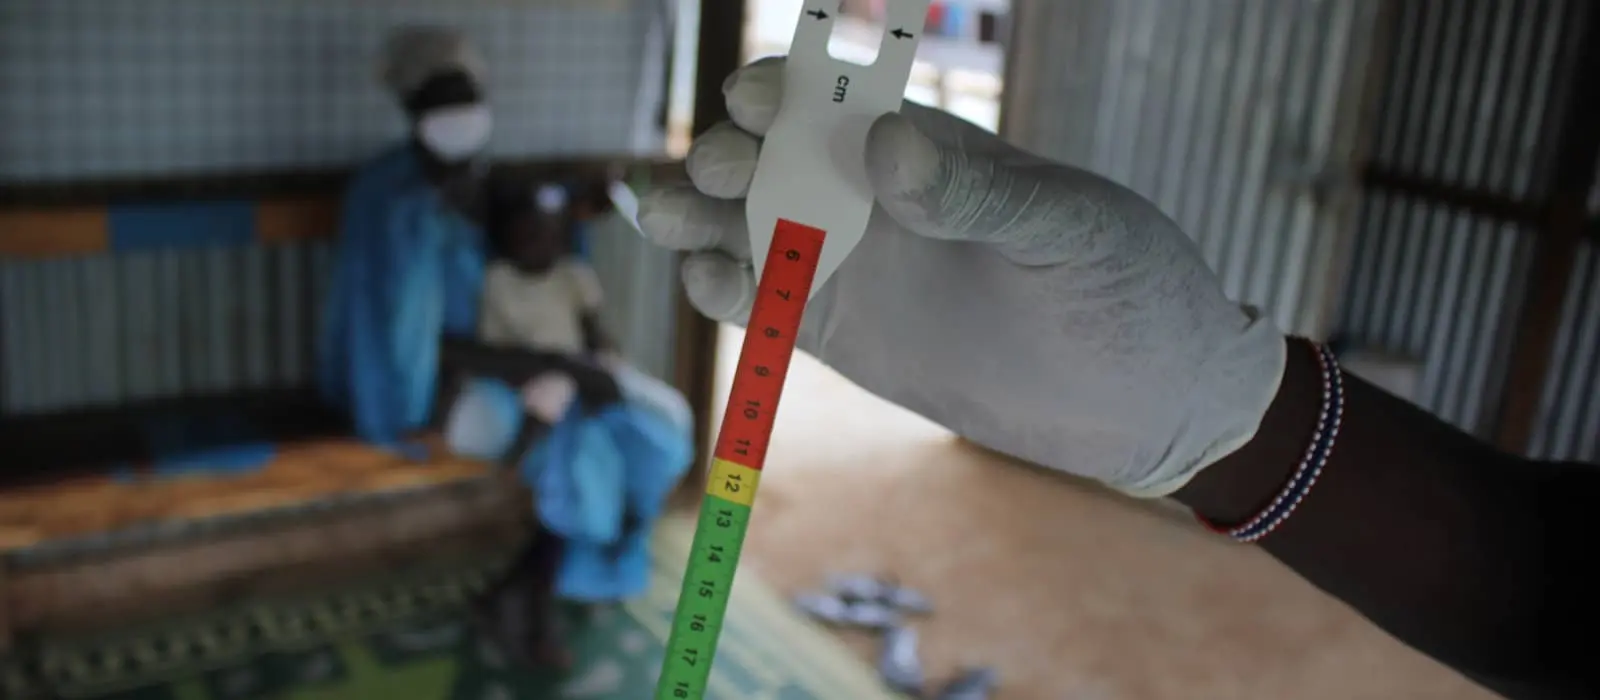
{"points": [[741, 452]]}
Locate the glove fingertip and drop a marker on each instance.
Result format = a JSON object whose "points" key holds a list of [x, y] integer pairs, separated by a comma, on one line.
{"points": [[663, 219], [718, 287], [722, 162], [907, 172], [753, 94]]}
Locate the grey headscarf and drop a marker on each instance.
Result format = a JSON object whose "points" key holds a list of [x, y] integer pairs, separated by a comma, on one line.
{"points": [[413, 54]]}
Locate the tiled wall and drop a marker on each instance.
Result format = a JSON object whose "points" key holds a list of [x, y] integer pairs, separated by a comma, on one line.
{"points": [[140, 87]]}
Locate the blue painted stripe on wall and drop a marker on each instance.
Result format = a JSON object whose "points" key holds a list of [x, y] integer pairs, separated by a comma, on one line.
{"points": [[141, 227]]}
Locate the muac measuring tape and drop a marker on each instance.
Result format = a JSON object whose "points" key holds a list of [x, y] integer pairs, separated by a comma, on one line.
{"points": [[808, 207]]}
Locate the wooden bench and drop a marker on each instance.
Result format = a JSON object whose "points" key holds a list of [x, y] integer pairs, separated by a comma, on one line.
{"points": [[99, 551]]}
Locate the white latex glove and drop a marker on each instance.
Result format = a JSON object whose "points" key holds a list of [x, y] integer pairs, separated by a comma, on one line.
{"points": [[1031, 307]]}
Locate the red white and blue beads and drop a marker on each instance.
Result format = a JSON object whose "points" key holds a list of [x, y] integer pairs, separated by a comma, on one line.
{"points": [[1310, 468]]}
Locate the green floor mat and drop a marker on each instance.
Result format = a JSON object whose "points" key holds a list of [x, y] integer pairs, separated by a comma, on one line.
{"points": [[405, 639]]}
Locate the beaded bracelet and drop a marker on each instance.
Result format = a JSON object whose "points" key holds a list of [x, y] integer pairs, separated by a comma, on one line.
{"points": [[1310, 467]]}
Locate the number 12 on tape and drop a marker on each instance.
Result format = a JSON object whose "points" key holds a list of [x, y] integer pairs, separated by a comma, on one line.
{"points": [[741, 452]]}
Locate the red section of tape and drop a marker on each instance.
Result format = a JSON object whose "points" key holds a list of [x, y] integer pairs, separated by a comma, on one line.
{"points": [[769, 340]]}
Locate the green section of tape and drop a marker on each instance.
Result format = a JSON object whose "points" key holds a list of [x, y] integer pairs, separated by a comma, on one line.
{"points": [[707, 583]]}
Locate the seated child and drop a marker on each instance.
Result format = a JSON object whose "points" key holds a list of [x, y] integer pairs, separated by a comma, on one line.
{"points": [[539, 314], [538, 330]]}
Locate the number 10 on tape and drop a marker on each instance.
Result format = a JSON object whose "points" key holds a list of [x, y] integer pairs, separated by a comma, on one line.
{"points": [[741, 451]]}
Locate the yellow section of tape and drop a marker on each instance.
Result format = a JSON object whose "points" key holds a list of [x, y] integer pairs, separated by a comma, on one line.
{"points": [[731, 481]]}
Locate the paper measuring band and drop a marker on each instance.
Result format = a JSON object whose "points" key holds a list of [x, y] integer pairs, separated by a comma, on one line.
{"points": [[741, 449]]}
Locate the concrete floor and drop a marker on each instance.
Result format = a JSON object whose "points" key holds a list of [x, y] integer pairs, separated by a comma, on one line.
{"points": [[1072, 592]]}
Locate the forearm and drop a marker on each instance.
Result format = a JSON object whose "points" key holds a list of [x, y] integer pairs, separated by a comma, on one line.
{"points": [[1446, 543]]}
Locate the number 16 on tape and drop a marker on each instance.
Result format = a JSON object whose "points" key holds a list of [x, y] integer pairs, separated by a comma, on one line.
{"points": [[810, 169]]}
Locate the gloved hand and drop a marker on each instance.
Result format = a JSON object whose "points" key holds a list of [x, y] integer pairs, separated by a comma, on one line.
{"points": [[1036, 309]]}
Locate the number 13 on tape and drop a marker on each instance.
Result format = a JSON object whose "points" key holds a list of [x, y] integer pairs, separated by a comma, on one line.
{"points": [[810, 169]]}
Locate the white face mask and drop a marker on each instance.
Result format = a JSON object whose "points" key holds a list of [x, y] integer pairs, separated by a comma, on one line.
{"points": [[457, 132]]}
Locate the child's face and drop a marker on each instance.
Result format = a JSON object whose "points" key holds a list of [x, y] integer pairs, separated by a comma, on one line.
{"points": [[534, 246]]}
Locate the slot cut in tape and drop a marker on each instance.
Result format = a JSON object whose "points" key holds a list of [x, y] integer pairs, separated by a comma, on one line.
{"points": [[812, 168]]}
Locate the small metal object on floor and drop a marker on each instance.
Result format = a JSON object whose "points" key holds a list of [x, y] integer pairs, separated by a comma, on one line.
{"points": [[975, 684], [880, 604], [900, 663], [838, 611], [862, 588]]}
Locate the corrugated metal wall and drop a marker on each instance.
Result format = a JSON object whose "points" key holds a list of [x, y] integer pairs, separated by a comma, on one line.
{"points": [[174, 87], [640, 305], [105, 329], [1245, 120], [1235, 116], [1594, 195], [1464, 109], [1569, 412], [1439, 286]]}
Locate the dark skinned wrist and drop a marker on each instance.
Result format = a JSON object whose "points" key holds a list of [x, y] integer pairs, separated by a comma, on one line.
{"points": [[1240, 485], [1472, 556]]}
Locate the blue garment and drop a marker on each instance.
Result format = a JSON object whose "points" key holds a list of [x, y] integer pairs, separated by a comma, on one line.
{"points": [[407, 269], [578, 237], [216, 442], [580, 242], [589, 472], [229, 459], [484, 420], [577, 472]]}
